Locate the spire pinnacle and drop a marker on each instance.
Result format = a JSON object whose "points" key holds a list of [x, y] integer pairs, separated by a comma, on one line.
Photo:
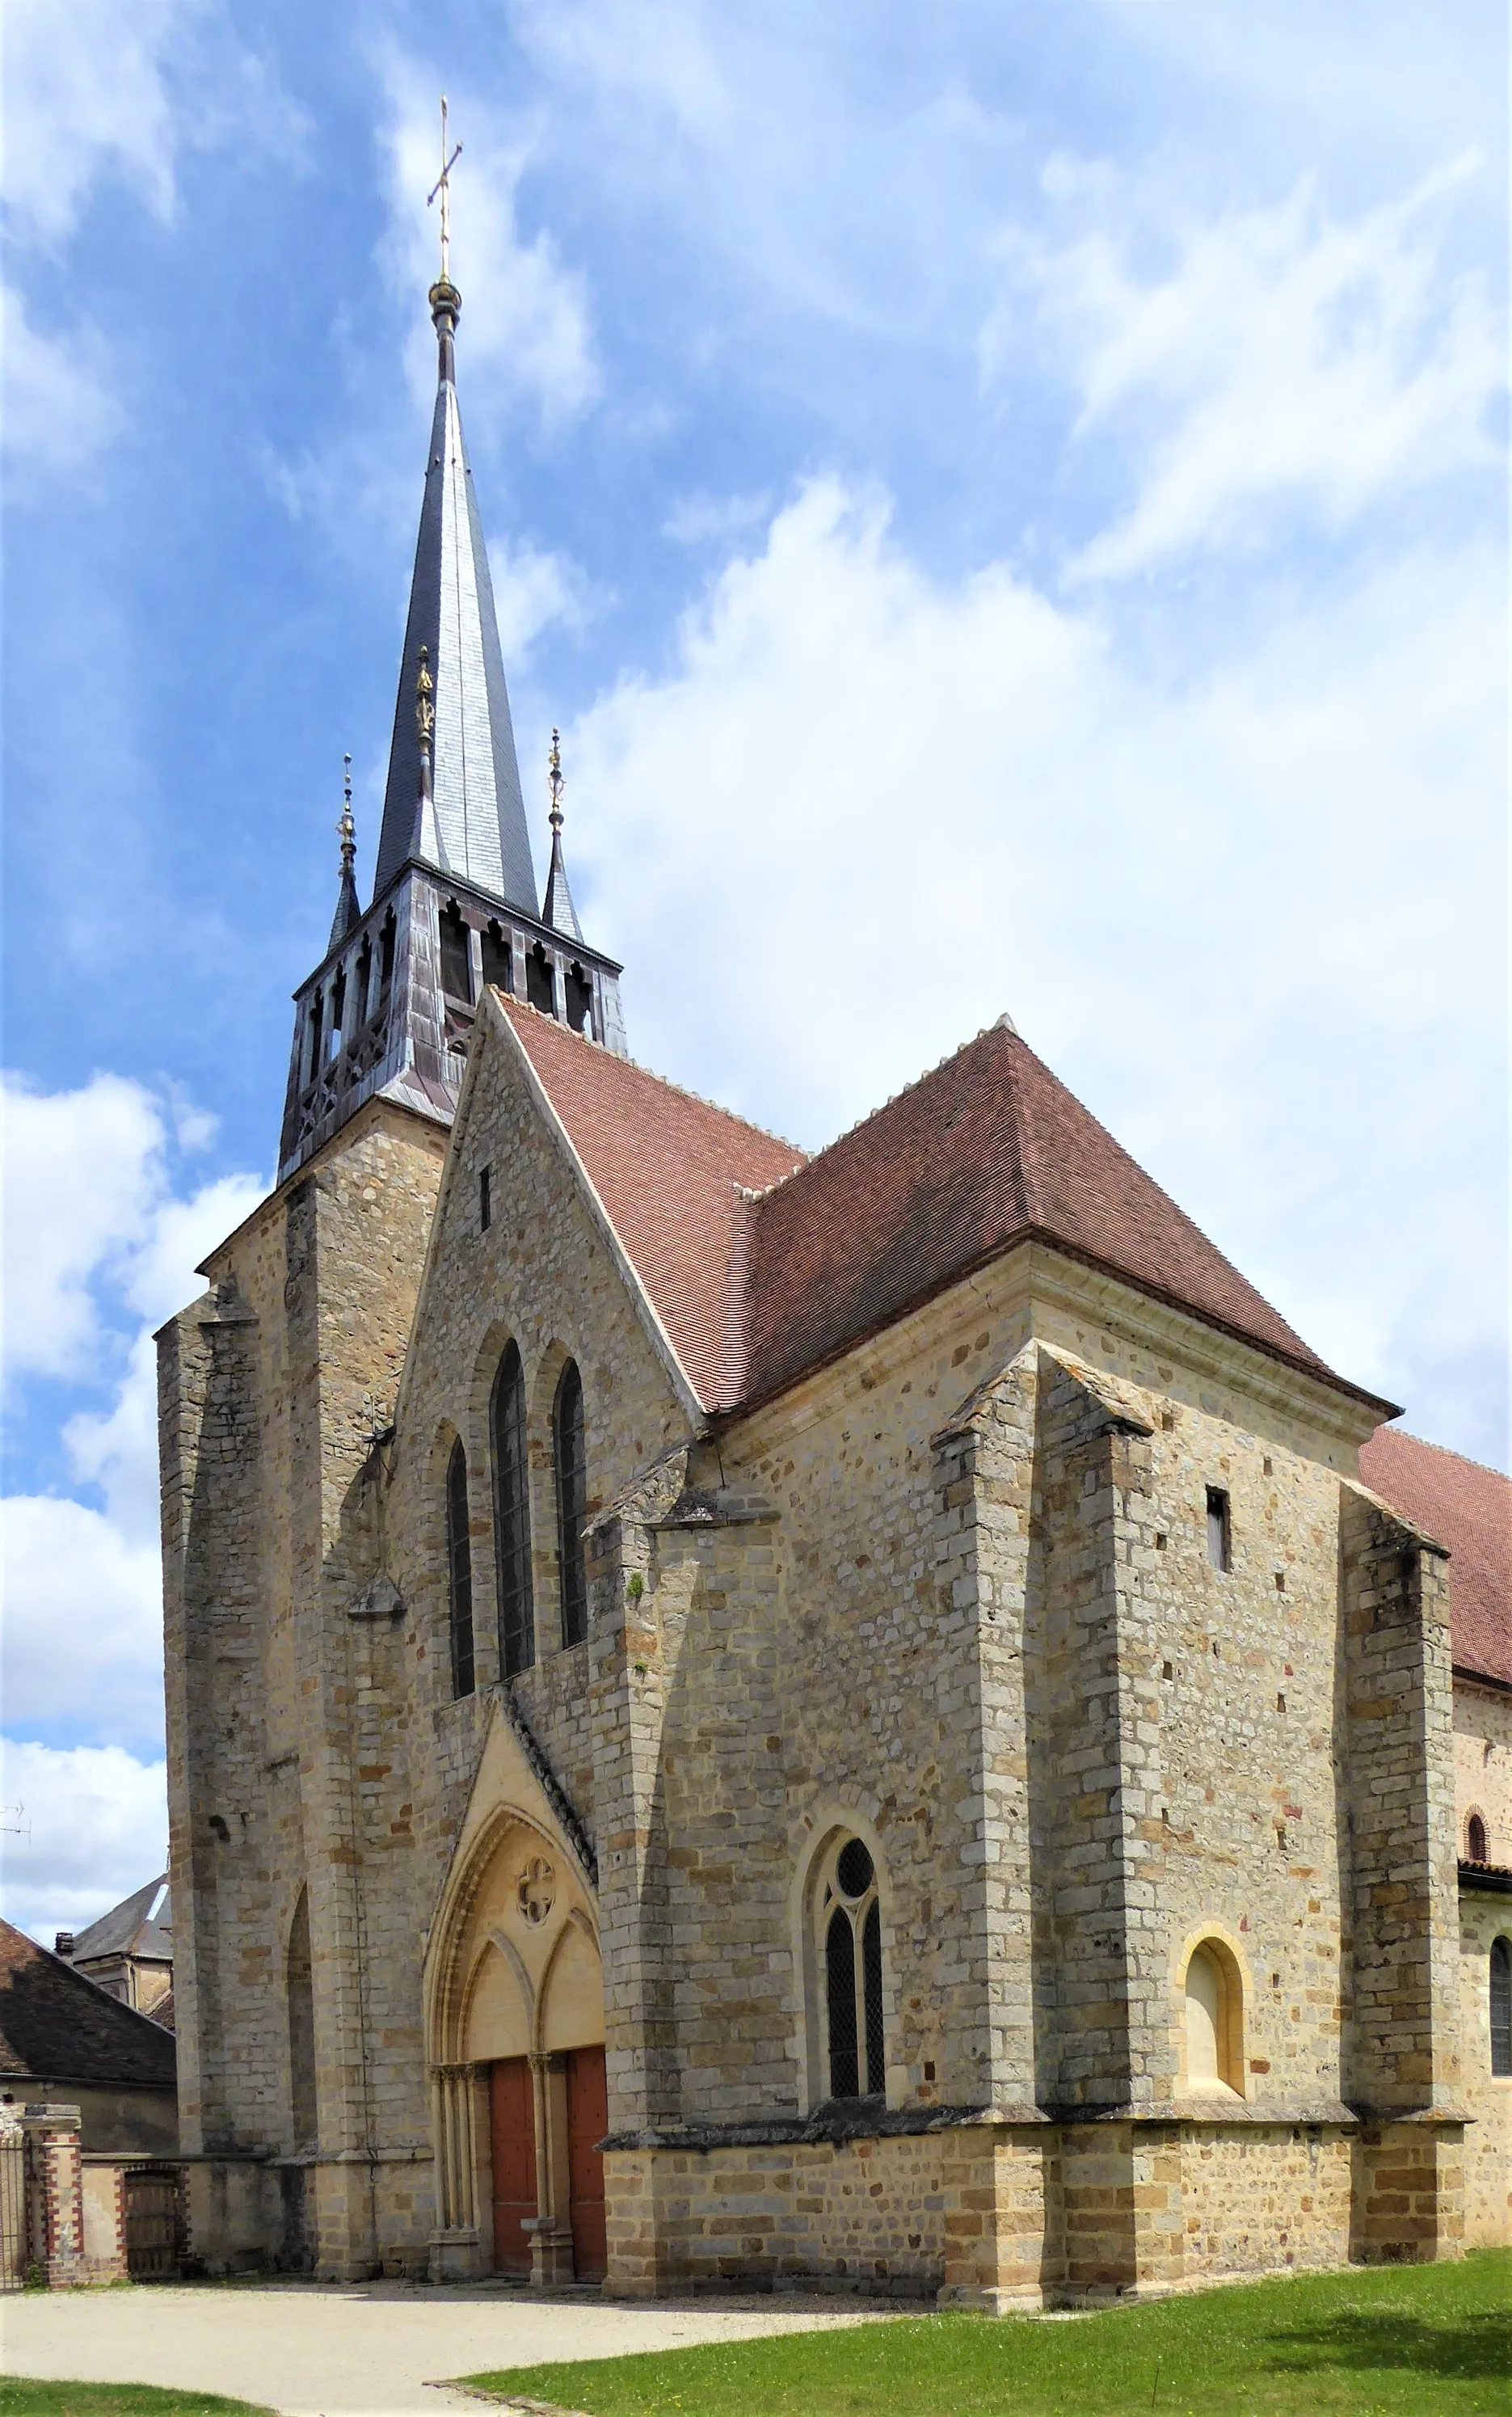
{"points": [[559, 911], [346, 827], [348, 912], [554, 781]]}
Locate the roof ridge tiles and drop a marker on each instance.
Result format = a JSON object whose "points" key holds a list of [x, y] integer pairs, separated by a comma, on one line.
{"points": [[812, 1158], [1446, 1450], [747, 1124]]}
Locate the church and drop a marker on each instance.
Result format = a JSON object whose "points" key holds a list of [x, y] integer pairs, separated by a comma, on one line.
{"points": [[875, 1721]]}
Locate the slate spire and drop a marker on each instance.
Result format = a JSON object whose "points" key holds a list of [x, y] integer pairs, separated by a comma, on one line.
{"points": [[476, 826], [558, 911]]}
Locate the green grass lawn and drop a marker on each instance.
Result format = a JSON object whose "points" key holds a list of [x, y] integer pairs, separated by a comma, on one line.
{"points": [[21, 2397], [1393, 2342]]}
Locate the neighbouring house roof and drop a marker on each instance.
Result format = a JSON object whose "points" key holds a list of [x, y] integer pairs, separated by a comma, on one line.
{"points": [[1468, 1509], [989, 1150], [56, 2027], [139, 1925]]}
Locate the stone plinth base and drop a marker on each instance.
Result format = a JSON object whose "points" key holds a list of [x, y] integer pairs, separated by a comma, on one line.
{"points": [[1000, 2216]]}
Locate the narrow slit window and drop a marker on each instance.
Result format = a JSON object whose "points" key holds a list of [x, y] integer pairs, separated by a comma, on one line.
{"points": [[1501, 2008], [511, 1516], [337, 1012], [317, 1028], [364, 979], [459, 1573], [1218, 1528], [571, 1500], [485, 1198]]}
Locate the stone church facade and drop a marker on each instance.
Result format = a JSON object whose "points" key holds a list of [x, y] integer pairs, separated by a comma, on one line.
{"points": [[744, 1720]]}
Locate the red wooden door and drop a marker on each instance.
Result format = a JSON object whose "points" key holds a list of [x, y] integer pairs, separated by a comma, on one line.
{"points": [[587, 2096], [512, 2108]]}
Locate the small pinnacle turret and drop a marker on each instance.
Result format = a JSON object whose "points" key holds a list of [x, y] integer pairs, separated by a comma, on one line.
{"points": [[558, 911], [348, 910]]}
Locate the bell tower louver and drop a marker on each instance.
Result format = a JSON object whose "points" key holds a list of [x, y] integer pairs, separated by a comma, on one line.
{"points": [[390, 1008]]}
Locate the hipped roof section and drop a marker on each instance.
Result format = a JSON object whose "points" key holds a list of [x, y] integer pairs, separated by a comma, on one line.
{"points": [[761, 1264], [1468, 1509]]}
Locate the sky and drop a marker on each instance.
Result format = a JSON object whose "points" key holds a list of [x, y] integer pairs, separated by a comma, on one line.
{"points": [[1006, 505]]}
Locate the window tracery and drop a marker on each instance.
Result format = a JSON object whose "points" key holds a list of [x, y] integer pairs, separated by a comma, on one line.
{"points": [[848, 1920]]}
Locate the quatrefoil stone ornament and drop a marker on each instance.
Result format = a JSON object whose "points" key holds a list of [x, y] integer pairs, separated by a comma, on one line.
{"points": [[535, 1891]]}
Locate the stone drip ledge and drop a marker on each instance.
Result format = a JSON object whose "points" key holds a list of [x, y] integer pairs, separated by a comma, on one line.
{"points": [[833, 2126]]}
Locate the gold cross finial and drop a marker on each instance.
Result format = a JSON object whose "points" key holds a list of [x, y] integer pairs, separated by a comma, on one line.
{"points": [[442, 187], [554, 781]]}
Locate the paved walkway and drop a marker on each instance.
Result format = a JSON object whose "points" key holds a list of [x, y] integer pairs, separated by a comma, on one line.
{"points": [[365, 2349]]}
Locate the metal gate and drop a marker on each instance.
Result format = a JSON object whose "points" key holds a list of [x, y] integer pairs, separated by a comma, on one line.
{"points": [[12, 2206], [151, 2223]]}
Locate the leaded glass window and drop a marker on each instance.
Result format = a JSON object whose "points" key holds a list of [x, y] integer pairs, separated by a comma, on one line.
{"points": [[571, 1498], [511, 1515], [850, 1927], [459, 1572]]}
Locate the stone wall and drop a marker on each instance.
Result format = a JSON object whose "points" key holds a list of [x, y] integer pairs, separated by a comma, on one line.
{"points": [[1488, 2096], [1483, 1762]]}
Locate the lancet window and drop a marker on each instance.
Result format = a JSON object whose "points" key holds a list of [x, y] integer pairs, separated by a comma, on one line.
{"points": [[1501, 2007], [456, 957], [459, 1573], [849, 1923], [511, 1515], [571, 1498]]}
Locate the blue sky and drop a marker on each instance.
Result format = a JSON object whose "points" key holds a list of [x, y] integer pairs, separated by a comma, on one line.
{"points": [[1007, 506]]}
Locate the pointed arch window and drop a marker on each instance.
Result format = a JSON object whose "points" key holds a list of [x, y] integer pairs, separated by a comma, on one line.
{"points": [[459, 1572], [1476, 1840], [511, 1515], [317, 1025], [571, 1499], [850, 1957]]}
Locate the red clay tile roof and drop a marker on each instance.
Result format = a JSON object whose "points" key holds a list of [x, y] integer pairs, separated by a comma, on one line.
{"points": [[666, 1167], [988, 1151], [1468, 1509], [56, 2027]]}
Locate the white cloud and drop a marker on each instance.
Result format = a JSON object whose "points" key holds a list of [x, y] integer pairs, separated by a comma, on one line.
{"points": [[85, 97], [59, 410], [534, 591], [94, 1827], [95, 1234], [83, 1177], [705, 520], [83, 1644], [1279, 361], [527, 323], [1231, 907]]}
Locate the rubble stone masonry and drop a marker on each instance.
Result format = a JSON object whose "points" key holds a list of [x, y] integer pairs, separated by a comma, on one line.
{"points": [[951, 1595]]}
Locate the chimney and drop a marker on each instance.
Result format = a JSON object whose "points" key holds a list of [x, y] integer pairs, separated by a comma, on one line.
{"points": [[63, 1944]]}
